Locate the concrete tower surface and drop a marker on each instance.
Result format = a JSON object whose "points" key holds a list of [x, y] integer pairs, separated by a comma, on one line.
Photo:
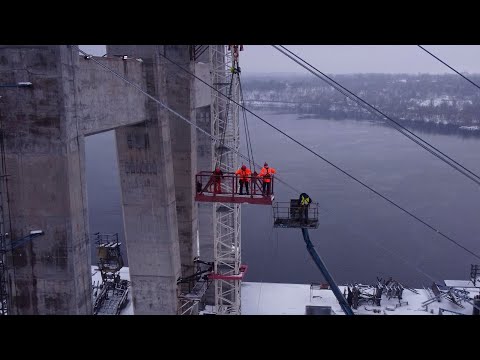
{"points": [[44, 128]]}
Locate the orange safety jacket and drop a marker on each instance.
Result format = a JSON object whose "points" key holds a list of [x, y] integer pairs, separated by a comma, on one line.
{"points": [[266, 174], [244, 175]]}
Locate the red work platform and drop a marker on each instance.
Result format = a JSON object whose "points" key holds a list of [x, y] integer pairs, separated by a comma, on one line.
{"points": [[243, 269], [226, 188]]}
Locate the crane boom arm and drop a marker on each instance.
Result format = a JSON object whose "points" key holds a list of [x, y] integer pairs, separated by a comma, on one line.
{"points": [[318, 261]]}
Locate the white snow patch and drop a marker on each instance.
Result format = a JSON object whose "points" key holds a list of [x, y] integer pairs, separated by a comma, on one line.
{"points": [[292, 299], [470, 128]]}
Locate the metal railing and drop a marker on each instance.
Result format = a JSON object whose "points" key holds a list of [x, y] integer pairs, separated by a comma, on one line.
{"points": [[208, 183], [292, 211]]}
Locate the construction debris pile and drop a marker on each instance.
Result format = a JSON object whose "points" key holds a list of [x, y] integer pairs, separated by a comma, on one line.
{"points": [[358, 294], [373, 295]]}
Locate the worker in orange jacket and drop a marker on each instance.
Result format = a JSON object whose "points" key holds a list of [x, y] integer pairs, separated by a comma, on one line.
{"points": [[266, 174], [244, 175]]}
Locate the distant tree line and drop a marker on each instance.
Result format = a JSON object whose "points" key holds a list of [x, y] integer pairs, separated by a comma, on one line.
{"points": [[434, 100]]}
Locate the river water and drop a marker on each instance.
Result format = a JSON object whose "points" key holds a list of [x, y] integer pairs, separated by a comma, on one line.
{"points": [[361, 236]]}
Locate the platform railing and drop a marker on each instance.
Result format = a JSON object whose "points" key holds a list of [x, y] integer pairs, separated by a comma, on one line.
{"points": [[292, 211], [228, 185]]}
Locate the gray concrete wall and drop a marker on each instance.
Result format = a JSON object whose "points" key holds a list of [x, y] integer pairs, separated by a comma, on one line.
{"points": [[203, 99], [204, 156], [149, 212], [105, 101], [203, 93], [45, 162], [144, 52], [175, 89], [148, 198], [179, 95], [205, 210], [44, 127]]}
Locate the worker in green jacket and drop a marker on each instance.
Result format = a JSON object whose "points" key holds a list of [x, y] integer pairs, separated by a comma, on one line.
{"points": [[304, 202]]}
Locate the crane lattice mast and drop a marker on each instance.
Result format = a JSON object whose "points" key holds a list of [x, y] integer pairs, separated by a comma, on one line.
{"points": [[226, 216]]}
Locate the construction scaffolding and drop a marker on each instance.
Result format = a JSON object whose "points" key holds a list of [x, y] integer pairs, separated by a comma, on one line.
{"points": [[474, 274], [198, 284], [111, 295], [226, 216]]}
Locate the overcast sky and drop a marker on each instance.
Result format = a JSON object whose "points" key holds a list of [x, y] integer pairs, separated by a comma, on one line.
{"points": [[342, 59]]}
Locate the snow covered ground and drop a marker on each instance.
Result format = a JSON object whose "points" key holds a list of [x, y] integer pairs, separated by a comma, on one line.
{"points": [[292, 299]]}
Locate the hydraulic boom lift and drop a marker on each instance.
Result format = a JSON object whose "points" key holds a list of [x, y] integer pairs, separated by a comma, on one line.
{"points": [[290, 216]]}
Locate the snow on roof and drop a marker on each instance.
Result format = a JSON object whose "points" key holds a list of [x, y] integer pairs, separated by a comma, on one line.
{"points": [[283, 299], [292, 299]]}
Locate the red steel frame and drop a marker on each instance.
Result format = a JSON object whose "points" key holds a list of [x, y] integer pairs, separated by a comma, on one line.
{"points": [[229, 189]]}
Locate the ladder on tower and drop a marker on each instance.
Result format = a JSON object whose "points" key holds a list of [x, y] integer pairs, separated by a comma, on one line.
{"points": [[221, 186], [226, 222]]}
